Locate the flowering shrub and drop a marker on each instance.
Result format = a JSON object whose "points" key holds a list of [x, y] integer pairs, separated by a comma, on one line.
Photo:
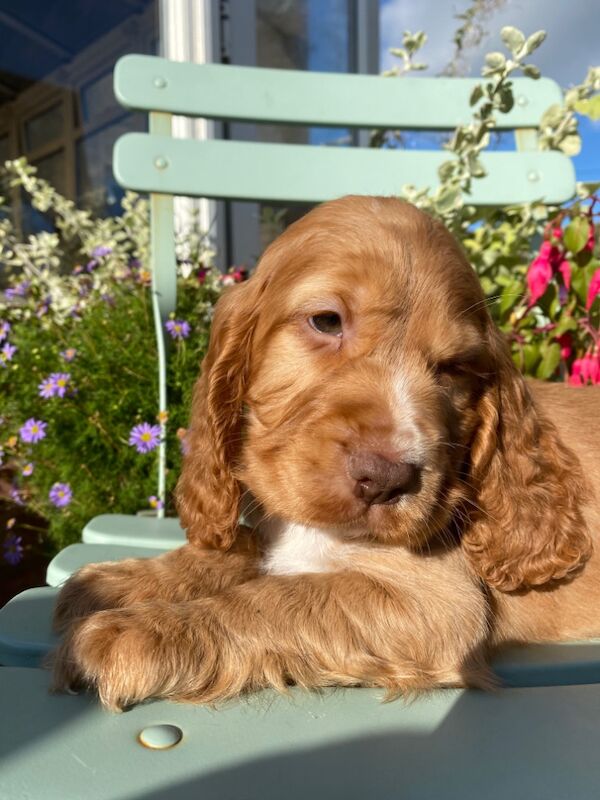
{"points": [[554, 324], [78, 370], [538, 264]]}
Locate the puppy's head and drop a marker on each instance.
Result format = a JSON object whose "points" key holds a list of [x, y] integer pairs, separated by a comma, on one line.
{"points": [[357, 383]]}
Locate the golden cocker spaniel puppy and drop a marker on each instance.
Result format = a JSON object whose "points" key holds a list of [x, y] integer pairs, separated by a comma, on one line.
{"points": [[410, 501]]}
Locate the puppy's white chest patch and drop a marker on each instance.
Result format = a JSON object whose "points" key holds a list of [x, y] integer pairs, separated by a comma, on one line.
{"points": [[291, 548]]}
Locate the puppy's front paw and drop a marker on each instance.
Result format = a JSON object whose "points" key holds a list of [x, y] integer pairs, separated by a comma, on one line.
{"points": [[97, 587], [126, 655]]}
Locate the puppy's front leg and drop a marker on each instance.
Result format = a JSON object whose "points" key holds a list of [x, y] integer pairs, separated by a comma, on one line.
{"points": [[313, 630], [188, 573]]}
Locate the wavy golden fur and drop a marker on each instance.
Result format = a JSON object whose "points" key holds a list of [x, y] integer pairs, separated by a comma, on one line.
{"points": [[410, 501]]}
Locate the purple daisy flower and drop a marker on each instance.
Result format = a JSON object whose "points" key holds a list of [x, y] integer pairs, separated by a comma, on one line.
{"points": [[55, 385], [19, 290], [7, 352], [61, 382], [60, 495], [46, 388], [33, 430], [4, 329], [144, 437], [27, 470], [15, 496], [99, 252], [13, 549], [68, 354], [155, 502], [178, 328]]}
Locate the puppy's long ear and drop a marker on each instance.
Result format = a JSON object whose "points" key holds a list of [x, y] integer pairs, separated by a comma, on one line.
{"points": [[530, 529], [208, 493]]}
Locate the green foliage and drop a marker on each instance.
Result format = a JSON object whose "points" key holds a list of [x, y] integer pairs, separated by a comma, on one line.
{"points": [[85, 288], [538, 264]]}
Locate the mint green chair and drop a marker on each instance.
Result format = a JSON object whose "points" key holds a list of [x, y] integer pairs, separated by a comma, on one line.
{"points": [[535, 742], [164, 166]]}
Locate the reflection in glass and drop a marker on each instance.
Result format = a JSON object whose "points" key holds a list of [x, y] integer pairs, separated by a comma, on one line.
{"points": [[44, 127], [57, 105], [306, 35]]}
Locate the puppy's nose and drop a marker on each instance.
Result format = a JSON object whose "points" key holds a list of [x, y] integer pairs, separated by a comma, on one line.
{"points": [[379, 481]]}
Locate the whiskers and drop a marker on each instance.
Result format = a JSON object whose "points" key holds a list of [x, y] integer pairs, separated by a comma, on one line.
{"points": [[488, 302]]}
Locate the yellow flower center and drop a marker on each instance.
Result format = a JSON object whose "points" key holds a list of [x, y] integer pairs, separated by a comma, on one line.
{"points": [[146, 436]]}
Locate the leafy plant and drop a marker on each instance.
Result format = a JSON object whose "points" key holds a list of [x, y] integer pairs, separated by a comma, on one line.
{"points": [[78, 385], [538, 264]]}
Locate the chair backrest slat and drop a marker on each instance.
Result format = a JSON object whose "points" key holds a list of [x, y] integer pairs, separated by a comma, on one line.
{"points": [[305, 174], [313, 98]]}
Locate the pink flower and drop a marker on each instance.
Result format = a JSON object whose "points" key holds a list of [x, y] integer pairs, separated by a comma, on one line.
{"points": [[565, 341], [594, 289], [565, 270], [557, 232], [584, 370], [539, 275], [589, 245], [549, 252]]}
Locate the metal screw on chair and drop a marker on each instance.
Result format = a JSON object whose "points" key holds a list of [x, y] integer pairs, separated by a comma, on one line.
{"points": [[160, 737], [159, 82], [160, 162], [533, 176]]}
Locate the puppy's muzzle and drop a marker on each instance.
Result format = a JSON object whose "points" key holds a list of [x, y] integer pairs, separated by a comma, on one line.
{"points": [[378, 480]]}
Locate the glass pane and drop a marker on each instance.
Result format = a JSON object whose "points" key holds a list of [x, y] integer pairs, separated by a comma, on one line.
{"points": [[96, 186], [52, 169], [56, 49], [44, 128], [306, 35], [98, 98]]}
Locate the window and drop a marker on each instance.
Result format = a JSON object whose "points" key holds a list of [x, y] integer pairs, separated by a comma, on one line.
{"points": [[319, 35], [57, 106]]}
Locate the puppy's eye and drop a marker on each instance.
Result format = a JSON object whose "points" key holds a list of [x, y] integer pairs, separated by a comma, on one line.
{"points": [[328, 322], [449, 367]]}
